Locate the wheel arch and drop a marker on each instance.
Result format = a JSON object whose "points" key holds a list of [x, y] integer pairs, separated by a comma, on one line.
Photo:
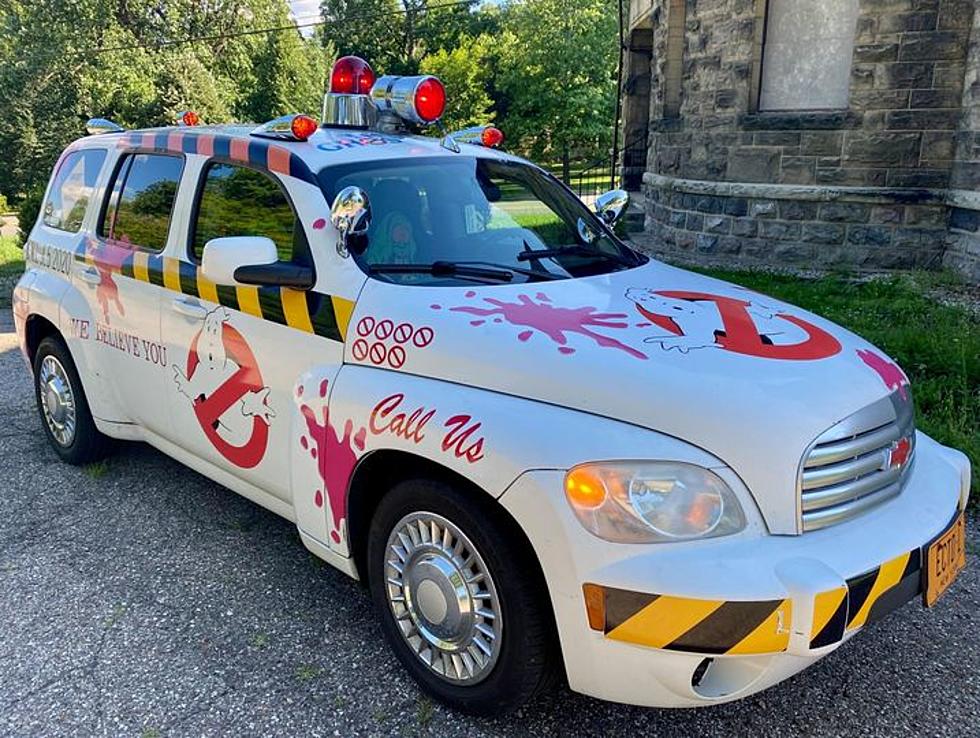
{"points": [[378, 471], [36, 329]]}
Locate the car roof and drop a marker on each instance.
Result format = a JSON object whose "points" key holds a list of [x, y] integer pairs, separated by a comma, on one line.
{"points": [[328, 146]]}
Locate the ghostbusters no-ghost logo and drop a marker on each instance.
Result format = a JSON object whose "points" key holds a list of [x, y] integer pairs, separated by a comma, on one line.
{"points": [[697, 320], [223, 382]]}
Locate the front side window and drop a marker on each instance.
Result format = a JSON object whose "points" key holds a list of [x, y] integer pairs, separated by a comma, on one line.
{"points": [[72, 188], [142, 199], [238, 201], [474, 213]]}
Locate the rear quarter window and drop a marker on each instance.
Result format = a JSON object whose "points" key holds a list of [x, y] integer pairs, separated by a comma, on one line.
{"points": [[71, 189], [141, 200]]}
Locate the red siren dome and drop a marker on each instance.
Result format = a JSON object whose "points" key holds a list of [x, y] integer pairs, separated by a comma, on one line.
{"points": [[430, 99], [351, 75], [303, 126], [190, 118], [492, 136]]}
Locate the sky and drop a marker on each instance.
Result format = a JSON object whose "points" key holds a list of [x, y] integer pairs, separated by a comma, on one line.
{"points": [[305, 9]]}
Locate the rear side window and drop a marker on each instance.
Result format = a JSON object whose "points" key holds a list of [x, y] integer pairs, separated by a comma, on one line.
{"points": [[142, 199], [72, 188], [238, 201]]}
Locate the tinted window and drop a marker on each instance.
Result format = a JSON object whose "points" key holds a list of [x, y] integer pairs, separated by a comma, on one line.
{"points": [[238, 201], [142, 199], [72, 189]]}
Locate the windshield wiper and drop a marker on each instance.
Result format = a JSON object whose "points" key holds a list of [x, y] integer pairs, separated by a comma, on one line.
{"points": [[445, 269], [576, 249], [518, 270]]}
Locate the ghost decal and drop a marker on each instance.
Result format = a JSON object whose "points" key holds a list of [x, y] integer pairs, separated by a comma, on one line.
{"points": [[223, 382], [697, 320]]}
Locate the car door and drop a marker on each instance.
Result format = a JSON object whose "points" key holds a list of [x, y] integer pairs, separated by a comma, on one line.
{"points": [[239, 352], [133, 230]]}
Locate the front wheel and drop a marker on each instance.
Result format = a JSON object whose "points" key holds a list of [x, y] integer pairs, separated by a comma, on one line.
{"points": [[63, 407], [461, 604]]}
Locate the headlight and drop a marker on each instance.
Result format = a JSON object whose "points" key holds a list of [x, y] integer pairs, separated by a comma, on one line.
{"points": [[655, 501]]}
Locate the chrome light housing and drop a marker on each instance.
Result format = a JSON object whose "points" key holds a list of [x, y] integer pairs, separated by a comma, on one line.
{"points": [[652, 501]]}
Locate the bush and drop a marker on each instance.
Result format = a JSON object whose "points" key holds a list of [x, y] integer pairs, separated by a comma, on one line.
{"points": [[28, 211], [4, 206]]}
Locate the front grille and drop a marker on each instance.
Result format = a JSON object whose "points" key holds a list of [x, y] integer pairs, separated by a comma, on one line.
{"points": [[858, 463]]}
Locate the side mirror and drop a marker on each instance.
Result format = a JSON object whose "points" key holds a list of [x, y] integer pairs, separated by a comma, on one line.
{"points": [[611, 205], [252, 260], [224, 256], [351, 216]]}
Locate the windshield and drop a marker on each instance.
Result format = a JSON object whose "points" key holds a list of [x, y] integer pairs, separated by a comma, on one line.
{"points": [[453, 220]]}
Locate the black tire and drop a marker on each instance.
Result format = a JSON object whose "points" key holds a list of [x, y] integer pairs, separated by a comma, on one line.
{"points": [[528, 659], [87, 443]]}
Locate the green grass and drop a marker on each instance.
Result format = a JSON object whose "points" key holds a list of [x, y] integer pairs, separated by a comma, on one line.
{"points": [[11, 256], [937, 345]]}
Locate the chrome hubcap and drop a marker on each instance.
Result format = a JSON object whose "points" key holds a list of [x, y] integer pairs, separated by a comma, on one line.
{"points": [[443, 598], [57, 400]]}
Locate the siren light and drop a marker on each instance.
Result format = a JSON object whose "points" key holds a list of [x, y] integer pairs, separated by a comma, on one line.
{"points": [[189, 118], [351, 75], [420, 99]]}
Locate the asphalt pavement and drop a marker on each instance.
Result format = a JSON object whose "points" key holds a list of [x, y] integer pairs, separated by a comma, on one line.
{"points": [[140, 599]]}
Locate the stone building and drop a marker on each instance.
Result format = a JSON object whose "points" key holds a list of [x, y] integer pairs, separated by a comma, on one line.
{"points": [[826, 133]]}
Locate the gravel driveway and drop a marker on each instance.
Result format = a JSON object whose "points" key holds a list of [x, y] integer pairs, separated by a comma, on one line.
{"points": [[141, 599]]}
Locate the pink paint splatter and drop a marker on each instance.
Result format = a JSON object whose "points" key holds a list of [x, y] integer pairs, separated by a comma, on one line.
{"points": [[470, 293], [436, 307], [890, 373], [319, 224], [107, 257], [554, 322], [336, 457]]}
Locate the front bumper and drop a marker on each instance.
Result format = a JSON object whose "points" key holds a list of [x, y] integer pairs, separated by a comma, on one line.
{"points": [[760, 607]]}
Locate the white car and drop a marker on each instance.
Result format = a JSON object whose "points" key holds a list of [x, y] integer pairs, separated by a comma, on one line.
{"points": [[545, 453]]}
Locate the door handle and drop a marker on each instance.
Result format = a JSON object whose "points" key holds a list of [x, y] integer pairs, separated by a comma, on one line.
{"points": [[190, 309], [89, 274]]}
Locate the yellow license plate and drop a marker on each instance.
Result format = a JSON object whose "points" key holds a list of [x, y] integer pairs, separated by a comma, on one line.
{"points": [[945, 559]]}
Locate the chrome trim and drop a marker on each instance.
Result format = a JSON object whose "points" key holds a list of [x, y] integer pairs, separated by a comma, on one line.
{"points": [[95, 126], [348, 111], [846, 470]]}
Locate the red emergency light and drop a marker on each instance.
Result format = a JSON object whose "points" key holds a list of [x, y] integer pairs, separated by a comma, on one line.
{"points": [[189, 118], [420, 99], [492, 137], [303, 126], [351, 75]]}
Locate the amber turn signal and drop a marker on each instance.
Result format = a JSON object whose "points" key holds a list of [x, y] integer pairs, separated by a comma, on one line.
{"points": [[595, 606], [584, 488]]}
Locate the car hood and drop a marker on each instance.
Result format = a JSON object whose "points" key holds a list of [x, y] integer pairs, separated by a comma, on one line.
{"points": [[749, 379]]}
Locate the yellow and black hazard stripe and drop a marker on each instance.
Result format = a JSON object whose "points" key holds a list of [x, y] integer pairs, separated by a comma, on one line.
{"points": [[690, 625], [866, 598], [311, 312]]}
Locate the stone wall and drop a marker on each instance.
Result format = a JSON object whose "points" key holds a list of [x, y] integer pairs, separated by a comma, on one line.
{"points": [[963, 252], [862, 187]]}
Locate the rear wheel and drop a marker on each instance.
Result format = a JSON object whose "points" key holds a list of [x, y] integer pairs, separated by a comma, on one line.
{"points": [[461, 604], [62, 405]]}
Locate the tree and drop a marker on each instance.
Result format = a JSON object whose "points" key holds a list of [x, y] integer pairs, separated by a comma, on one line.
{"points": [[395, 35], [557, 66], [465, 72], [64, 61]]}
